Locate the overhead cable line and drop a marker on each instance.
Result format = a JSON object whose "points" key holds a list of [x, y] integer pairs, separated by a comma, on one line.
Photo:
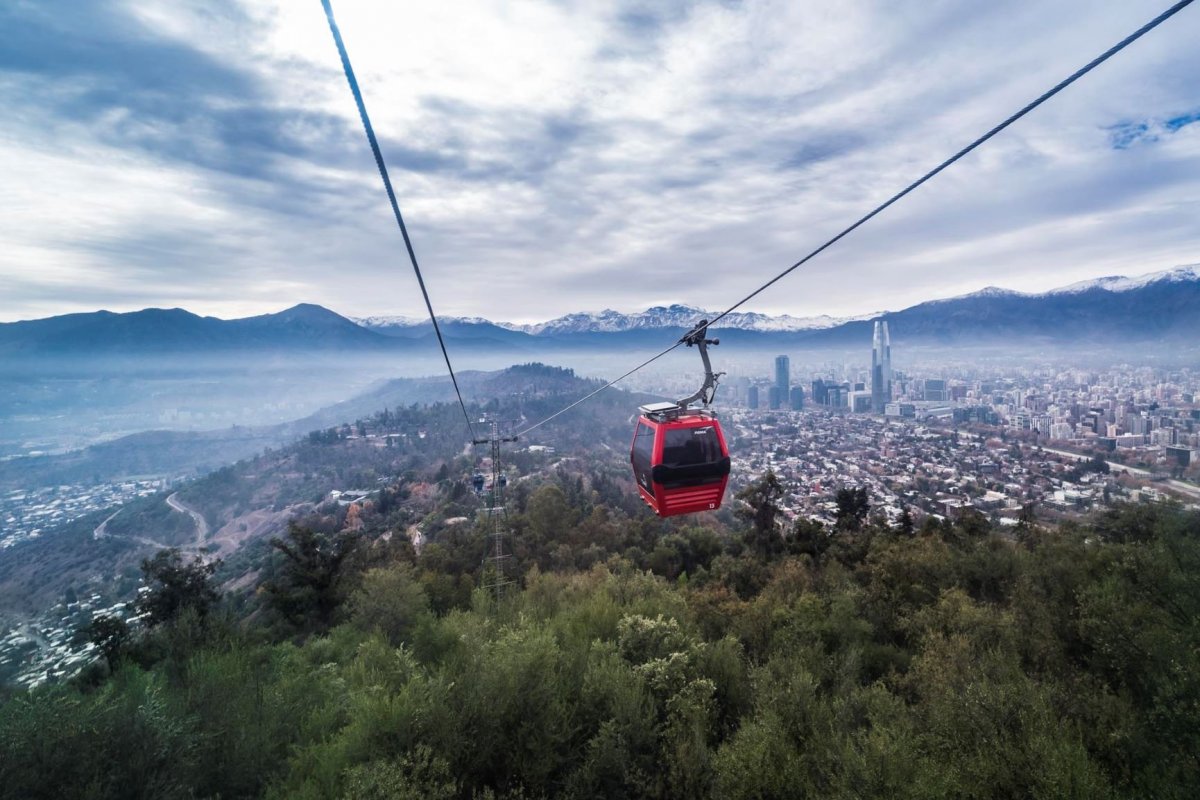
{"points": [[387, 184], [613, 382], [1079, 73]]}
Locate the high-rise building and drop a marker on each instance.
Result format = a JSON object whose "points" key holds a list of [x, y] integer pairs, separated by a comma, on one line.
{"points": [[858, 402], [820, 395], [1163, 437], [1183, 456], [782, 377], [752, 397], [881, 368], [797, 398], [1062, 431]]}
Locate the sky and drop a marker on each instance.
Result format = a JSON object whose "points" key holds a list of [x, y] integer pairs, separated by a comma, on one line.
{"points": [[555, 157]]}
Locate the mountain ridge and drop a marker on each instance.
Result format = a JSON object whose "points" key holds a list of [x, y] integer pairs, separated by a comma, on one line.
{"points": [[156, 330], [682, 316], [676, 315], [1160, 306]]}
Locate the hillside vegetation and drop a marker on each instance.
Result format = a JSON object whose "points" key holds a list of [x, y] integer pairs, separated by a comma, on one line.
{"points": [[716, 659], [354, 654]]}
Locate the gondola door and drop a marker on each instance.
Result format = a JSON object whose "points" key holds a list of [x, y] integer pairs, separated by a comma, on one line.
{"points": [[642, 455]]}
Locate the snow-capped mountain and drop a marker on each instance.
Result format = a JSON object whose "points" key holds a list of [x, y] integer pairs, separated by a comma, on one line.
{"points": [[683, 317], [1118, 283], [609, 321], [398, 321], [678, 316], [987, 291], [1112, 283], [1157, 307]]}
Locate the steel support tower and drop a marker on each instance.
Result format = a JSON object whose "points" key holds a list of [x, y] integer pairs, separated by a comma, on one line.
{"points": [[497, 579]]}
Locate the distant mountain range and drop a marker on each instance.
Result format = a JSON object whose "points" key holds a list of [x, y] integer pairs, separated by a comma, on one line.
{"points": [[609, 321], [1159, 307], [173, 330]]}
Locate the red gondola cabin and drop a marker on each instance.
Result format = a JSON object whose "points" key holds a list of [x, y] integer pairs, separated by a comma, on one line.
{"points": [[680, 460]]}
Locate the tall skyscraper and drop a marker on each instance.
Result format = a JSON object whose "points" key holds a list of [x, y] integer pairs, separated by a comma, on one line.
{"points": [[881, 368], [782, 377], [820, 395], [752, 397]]}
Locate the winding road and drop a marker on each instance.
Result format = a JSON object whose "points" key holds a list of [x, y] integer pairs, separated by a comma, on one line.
{"points": [[197, 517], [101, 530]]}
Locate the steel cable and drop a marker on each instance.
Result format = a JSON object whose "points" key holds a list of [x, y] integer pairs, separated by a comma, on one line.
{"points": [[387, 184]]}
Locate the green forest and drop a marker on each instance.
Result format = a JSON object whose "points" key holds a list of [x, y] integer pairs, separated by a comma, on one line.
{"points": [[731, 658]]}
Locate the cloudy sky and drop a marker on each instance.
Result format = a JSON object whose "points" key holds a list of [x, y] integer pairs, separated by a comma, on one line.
{"points": [[562, 156]]}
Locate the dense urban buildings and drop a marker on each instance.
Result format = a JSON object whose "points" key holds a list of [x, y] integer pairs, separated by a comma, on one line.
{"points": [[940, 437], [1143, 421], [1048, 441]]}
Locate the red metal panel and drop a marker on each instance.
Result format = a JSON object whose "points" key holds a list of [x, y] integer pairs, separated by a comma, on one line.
{"points": [[691, 500]]}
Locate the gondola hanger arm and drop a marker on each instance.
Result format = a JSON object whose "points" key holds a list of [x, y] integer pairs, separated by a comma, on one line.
{"points": [[698, 337]]}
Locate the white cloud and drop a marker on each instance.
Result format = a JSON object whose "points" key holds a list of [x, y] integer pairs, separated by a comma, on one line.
{"points": [[553, 157]]}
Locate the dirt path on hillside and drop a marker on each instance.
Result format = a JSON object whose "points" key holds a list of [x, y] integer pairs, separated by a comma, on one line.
{"points": [[197, 517]]}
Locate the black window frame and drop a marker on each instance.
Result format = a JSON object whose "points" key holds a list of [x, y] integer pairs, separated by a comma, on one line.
{"points": [[641, 455]]}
